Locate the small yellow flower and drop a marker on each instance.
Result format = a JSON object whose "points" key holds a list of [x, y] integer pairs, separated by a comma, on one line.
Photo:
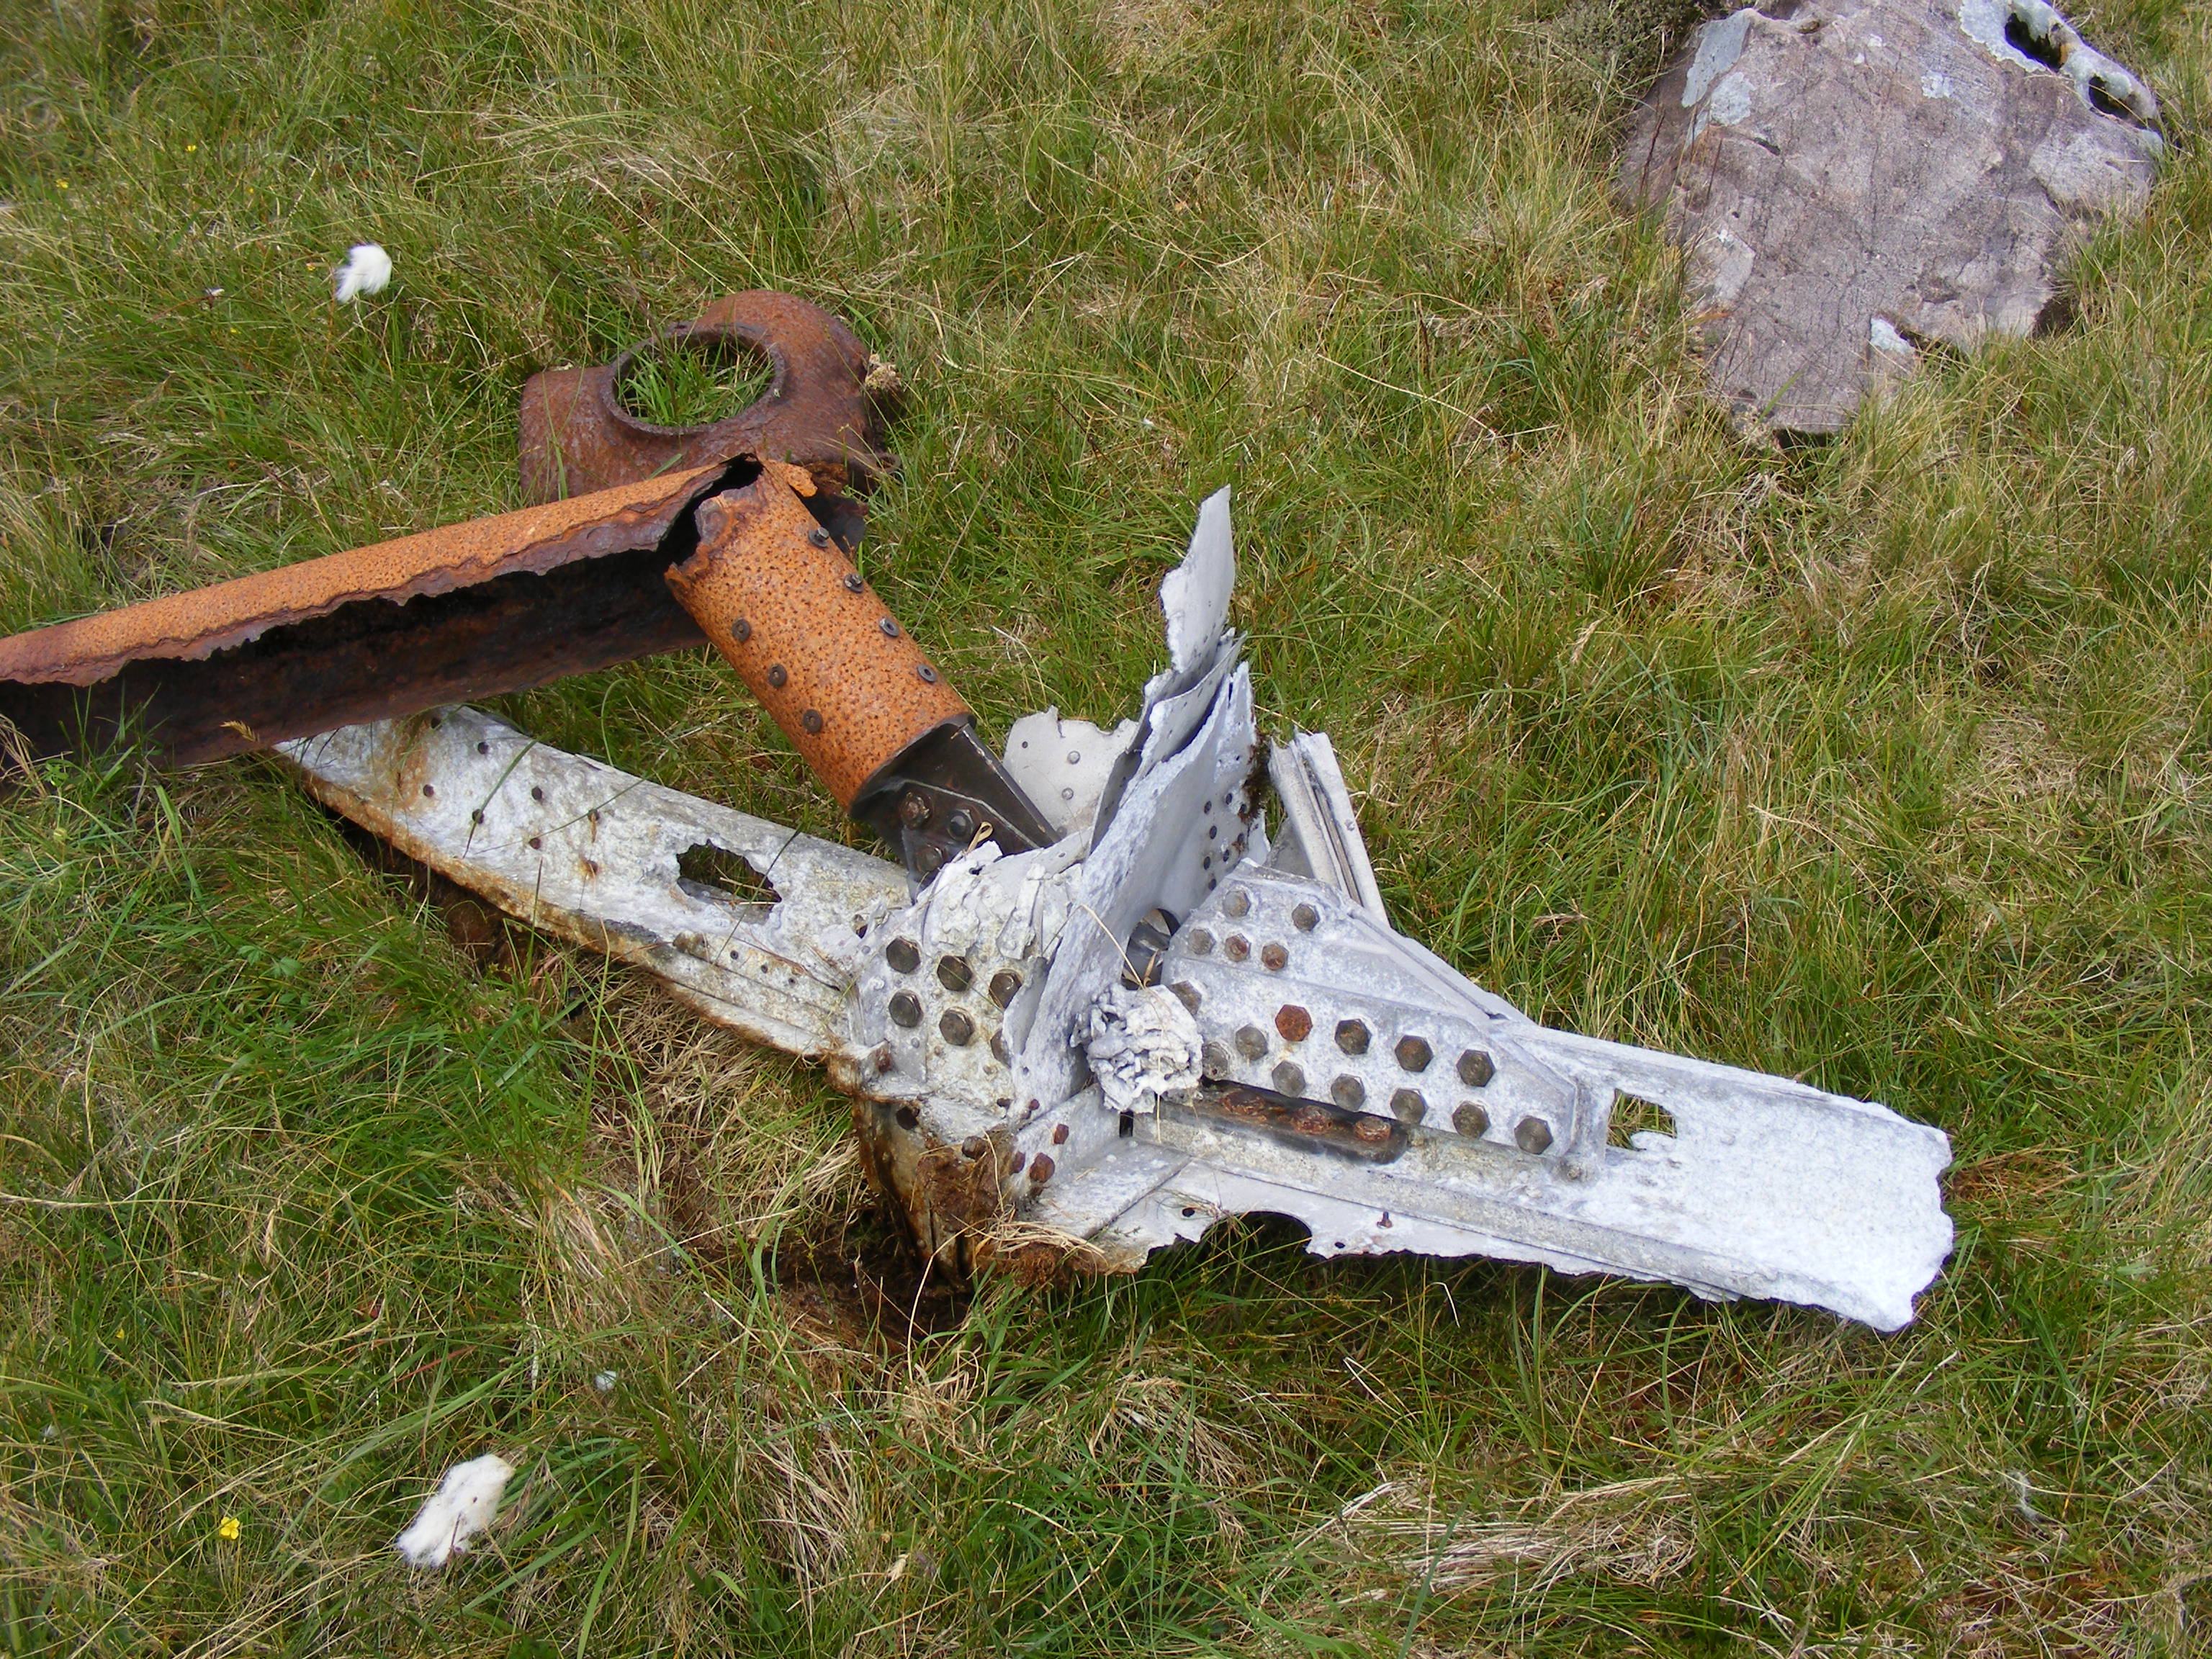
{"points": [[61, 184], [226, 1529], [189, 148], [118, 1336]]}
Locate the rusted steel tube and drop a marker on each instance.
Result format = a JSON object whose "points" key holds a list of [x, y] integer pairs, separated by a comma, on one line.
{"points": [[777, 596]]}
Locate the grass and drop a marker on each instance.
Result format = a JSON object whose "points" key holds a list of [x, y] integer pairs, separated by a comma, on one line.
{"points": [[1883, 762], [682, 384]]}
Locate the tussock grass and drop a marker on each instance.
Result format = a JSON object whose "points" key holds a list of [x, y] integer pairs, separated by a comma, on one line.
{"points": [[1882, 763]]}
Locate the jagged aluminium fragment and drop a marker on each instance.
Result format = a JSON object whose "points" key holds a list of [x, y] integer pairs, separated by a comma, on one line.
{"points": [[1083, 1053]]}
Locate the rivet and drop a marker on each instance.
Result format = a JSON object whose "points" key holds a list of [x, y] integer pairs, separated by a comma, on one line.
{"points": [[1201, 942], [1413, 1053], [1305, 918], [914, 809], [1274, 957], [906, 1009], [1059, 1134], [1237, 947], [536, 844], [591, 867], [960, 823], [777, 676], [429, 789], [1470, 1120], [1289, 1079], [1006, 984], [1000, 1052], [903, 955], [1213, 1059], [1251, 1042], [854, 583], [974, 1146], [535, 793], [882, 1057], [1186, 994], [812, 720], [741, 630], [1294, 1023], [956, 1027], [954, 974], [1475, 1069], [1532, 1134], [1041, 1168], [1408, 1105], [483, 749], [1075, 757], [1238, 903], [1348, 1092], [929, 858], [1020, 1162], [1351, 1036], [889, 628], [1374, 1131], [908, 1118], [476, 817], [928, 674], [818, 535]]}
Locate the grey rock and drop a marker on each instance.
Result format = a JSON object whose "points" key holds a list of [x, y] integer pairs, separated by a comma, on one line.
{"points": [[1851, 180]]}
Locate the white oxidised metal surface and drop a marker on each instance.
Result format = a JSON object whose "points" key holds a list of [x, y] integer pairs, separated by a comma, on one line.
{"points": [[574, 847]]}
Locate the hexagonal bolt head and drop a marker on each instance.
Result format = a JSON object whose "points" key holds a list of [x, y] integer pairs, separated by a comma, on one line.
{"points": [[1533, 1135], [1414, 1054]]}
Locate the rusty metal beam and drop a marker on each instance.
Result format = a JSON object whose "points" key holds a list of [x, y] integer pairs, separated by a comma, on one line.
{"points": [[471, 609], [468, 610]]}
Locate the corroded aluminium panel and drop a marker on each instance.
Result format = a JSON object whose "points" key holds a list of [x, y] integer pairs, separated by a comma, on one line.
{"points": [[594, 855]]}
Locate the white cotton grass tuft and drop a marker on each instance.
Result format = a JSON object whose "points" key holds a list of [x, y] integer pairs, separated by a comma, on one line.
{"points": [[465, 1502], [367, 269]]}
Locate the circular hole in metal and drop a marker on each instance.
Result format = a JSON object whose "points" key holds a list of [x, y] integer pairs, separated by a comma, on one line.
{"points": [[691, 378]]}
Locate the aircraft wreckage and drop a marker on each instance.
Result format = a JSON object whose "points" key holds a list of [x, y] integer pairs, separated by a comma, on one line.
{"points": [[1120, 985]]}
